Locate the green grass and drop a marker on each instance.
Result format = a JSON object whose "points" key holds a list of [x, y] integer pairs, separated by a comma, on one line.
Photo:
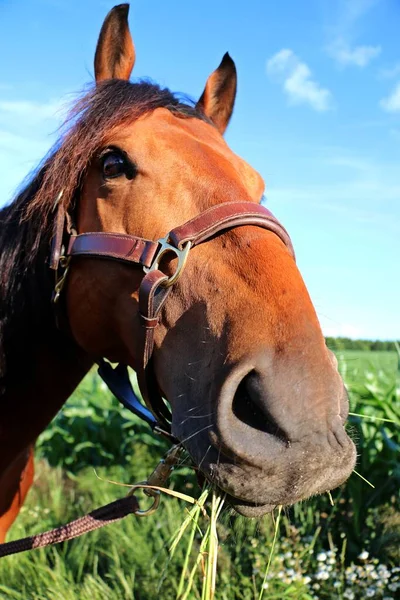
{"points": [[317, 545], [354, 364]]}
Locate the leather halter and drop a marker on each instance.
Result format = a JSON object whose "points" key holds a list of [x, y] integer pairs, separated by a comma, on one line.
{"points": [[155, 286]]}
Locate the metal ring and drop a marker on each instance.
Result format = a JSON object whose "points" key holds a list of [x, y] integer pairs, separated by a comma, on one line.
{"points": [[155, 494], [181, 255], [58, 288]]}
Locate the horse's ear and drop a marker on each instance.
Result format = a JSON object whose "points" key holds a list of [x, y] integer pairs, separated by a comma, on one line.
{"points": [[218, 98], [115, 52]]}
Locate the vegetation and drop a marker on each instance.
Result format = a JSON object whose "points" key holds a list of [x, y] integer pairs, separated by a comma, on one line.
{"points": [[346, 551], [343, 343]]}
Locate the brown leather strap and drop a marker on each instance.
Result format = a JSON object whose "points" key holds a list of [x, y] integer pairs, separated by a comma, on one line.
{"points": [[152, 296], [153, 292], [127, 248], [227, 216], [57, 239], [110, 513], [62, 227], [215, 220]]}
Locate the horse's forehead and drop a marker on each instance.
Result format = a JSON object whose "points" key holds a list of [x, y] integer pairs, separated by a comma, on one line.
{"points": [[161, 131]]}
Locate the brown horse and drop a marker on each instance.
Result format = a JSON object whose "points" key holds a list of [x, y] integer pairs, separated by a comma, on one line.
{"points": [[238, 353]]}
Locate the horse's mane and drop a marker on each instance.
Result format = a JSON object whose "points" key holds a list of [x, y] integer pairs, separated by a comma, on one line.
{"points": [[25, 225]]}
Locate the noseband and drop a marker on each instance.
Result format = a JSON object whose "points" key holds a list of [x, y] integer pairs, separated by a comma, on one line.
{"points": [[155, 286]]}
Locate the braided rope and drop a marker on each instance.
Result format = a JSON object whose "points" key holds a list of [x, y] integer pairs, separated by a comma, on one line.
{"points": [[110, 513]]}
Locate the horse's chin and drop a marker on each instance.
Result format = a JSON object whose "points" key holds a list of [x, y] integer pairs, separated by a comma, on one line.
{"points": [[249, 509], [246, 509]]}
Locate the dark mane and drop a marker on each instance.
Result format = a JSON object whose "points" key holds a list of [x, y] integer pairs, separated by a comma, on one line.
{"points": [[25, 225]]}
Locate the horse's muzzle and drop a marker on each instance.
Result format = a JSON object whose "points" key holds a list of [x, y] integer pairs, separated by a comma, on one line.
{"points": [[277, 443]]}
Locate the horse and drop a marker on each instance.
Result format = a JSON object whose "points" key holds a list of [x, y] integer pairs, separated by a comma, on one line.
{"points": [[214, 316]]}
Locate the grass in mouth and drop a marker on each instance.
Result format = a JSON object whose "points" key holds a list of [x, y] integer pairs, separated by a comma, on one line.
{"points": [[207, 555]]}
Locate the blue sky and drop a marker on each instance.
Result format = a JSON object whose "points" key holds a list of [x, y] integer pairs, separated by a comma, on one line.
{"points": [[317, 113]]}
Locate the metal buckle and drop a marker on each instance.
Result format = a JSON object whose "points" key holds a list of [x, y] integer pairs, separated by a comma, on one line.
{"points": [[158, 478], [181, 255], [154, 494], [64, 263]]}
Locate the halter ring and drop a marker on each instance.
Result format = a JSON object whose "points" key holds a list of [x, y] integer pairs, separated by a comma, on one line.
{"points": [[181, 255], [154, 494]]}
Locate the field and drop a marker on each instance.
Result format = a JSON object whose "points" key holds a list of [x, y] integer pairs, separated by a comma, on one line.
{"points": [[348, 550], [355, 364]]}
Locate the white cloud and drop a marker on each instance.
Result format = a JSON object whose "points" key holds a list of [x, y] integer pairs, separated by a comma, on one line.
{"points": [[391, 72], [11, 142], [302, 88], [392, 102], [358, 56], [344, 16], [27, 131], [281, 61], [362, 198], [298, 82], [19, 154], [31, 111], [350, 162], [350, 11], [359, 187]]}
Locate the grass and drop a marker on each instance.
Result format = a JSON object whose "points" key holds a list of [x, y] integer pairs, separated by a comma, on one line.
{"points": [[354, 364], [346, 551], [271, 554]]}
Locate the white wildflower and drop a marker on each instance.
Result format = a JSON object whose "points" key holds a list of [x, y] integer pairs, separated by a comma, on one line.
{"points": [[337, 584], [322, 575]]}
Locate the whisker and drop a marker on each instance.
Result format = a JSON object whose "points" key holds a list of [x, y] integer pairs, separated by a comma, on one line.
{"points": [[191, 378], [195, 433], [197, 417], [205, 454], [219, 456]]}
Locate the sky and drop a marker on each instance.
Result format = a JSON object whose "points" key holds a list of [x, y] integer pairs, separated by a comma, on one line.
{"points": [[317, 114]]}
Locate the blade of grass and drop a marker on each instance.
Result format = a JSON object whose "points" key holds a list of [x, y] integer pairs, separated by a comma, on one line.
{"points": [[363, 478], [271, 553], [309, 549], [192, 516], [373, 418], [196, 564], [210, 579], [195, 521], [208, 548], [144, 486]]}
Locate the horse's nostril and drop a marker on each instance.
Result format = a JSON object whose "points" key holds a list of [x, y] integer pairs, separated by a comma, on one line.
{"points": [[250, 406]]}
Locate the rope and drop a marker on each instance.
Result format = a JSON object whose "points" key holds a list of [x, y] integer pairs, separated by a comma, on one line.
{"points": [[110, 513]]}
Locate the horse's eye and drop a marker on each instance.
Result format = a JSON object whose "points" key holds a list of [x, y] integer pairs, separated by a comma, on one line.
{"points": [[114, 165]]}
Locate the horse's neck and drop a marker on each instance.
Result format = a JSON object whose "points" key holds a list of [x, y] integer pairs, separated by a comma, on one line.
{"points": [[40, 366]]}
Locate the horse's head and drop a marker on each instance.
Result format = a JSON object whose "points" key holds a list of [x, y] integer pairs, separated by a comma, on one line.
{"points": [[256, 396]]}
